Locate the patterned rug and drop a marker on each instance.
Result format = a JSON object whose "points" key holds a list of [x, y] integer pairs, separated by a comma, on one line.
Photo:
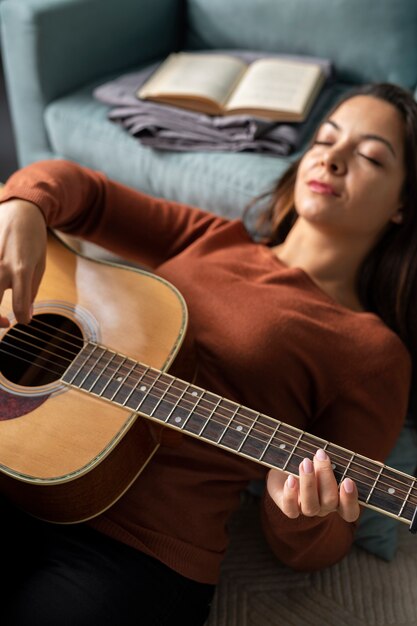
{"points": [[362, 590]]}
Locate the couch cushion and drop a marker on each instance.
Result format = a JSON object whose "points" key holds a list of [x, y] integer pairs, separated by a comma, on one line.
{"points": [[78, 129], [367, 40], [222, 182]]}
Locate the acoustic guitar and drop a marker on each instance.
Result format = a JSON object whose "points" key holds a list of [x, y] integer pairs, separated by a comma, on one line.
{"points": [[74, 389]]}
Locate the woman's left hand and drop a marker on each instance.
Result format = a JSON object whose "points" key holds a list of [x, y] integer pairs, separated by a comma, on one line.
{"points": [[315, 492]]}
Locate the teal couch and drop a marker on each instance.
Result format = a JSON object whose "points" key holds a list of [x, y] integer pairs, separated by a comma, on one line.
{"points": [[56, 51]]}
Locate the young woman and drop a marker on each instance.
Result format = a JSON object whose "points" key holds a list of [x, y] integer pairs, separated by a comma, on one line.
{"points": [[313, 326]]}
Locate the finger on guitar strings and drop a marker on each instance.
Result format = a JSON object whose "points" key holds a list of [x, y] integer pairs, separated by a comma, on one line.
{"points": [[309, 496], [349, 507], [22, 296], [4, 284], [328, 490]]}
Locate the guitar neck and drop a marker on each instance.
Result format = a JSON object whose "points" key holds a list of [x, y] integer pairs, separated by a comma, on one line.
{"points": [[168, 400]]}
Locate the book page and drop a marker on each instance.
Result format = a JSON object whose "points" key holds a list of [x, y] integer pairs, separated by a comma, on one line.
{"points": [[186, 74], [277, 85]]}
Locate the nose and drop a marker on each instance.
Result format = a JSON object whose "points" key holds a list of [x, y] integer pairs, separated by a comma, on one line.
{"points": [[333, 160]]}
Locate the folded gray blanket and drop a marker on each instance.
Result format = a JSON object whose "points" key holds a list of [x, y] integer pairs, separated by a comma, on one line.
{"points": [[166, 127]]}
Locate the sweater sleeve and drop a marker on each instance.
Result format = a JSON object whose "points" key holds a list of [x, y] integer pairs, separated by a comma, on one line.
{"points": [[365, 416], [85, 203], [306, 543]]}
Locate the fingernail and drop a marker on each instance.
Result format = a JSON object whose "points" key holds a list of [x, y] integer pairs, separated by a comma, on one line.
{"points": [[31, 311], [321, 455], [307, 466], [291, 482], [348, 485]]}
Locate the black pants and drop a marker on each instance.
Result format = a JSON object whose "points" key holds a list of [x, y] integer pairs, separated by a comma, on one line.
{"points": [[72, 575]]}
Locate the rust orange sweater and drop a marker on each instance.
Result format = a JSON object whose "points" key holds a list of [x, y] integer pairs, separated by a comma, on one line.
{"points": [[262, 334]]}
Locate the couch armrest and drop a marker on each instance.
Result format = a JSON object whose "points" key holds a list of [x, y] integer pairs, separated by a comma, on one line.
{"points": [[51, 47]]}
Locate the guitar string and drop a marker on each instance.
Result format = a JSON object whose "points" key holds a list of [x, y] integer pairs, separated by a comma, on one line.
{"points": [[313, 448], [73, 345], [72, 336], [275, 437], [42, 347], [50, 334], [311, 451], [406, 500], [41, 322]]}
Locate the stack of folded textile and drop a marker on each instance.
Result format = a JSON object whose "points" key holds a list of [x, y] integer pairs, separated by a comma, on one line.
{"points": [[166, 127]]}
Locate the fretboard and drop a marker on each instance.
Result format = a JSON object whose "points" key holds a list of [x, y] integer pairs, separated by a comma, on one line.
{"points": [[228, 425]]}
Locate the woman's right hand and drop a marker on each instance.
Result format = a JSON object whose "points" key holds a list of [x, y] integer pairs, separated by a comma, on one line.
{"points": [[23, 236]]}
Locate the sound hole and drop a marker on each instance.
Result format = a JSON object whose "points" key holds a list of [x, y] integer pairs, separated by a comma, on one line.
{"points": [[38, 353]]}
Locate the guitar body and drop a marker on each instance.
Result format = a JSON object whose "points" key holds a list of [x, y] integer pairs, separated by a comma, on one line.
{"points": [[65, 455]]}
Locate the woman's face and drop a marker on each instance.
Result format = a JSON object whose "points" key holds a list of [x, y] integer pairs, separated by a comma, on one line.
{"points": [[350, 181]]}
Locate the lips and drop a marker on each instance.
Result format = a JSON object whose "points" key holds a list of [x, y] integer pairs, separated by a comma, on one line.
{"points": [[325, 189]]}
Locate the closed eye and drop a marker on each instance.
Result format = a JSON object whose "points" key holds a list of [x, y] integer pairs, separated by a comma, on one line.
{"points": [[371, 160], [368, 158]]}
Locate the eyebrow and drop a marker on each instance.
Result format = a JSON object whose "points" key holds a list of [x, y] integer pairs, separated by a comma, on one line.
{"points": [[367, 136]]}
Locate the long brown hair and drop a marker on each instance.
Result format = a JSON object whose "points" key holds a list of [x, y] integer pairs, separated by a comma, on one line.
{"points": [[387, 279]]}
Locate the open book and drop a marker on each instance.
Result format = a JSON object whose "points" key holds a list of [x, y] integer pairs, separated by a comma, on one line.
{"points": [[219, 84]]}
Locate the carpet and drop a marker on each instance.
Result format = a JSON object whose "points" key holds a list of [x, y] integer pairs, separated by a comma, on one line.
{"points": [[362, 590]]}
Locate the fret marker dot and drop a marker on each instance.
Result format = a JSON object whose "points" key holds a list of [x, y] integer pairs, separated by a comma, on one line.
{"points": [[178, 419], [143, 388], [194, 393], [391, 490], [282, 446], [239, 428], [119, 378]]}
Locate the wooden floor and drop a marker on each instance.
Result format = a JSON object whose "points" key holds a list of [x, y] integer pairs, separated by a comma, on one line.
{"points": [[8, 158]]}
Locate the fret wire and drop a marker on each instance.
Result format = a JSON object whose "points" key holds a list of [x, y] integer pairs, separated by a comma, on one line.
{"points": [[202, 415], [229, 422], [381, 467], [122, 382], [324, 444], [135, 386], [195, 404], [111, 377], [406, 497], [210, 416], [380, 473], [272, 436], [346, 469], [270, 440], [374, 485], [292, 452], [88, 345], [91, 367], [339, 452], [247, 434], [145, 393], [213, 411], [102, 368], [175, 405], [191, 411], [360, 467], [161, 398], [216, 405], [310, 449], [312, 436], [209, 401]]}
